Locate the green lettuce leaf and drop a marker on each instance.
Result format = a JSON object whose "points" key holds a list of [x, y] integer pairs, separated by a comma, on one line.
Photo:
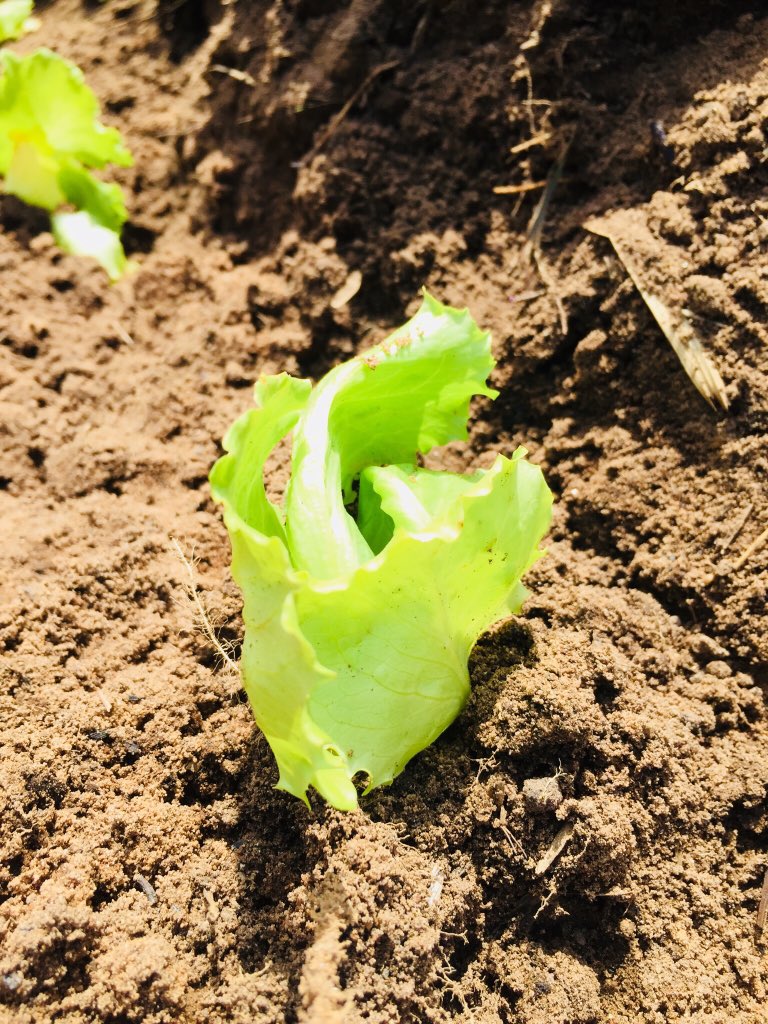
{"points": [[14, 18], [358, 627], [80, 233], [50, 137]]}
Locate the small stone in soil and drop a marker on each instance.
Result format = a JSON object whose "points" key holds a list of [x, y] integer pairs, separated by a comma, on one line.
{"points": [[542, 795], [99, 735]]}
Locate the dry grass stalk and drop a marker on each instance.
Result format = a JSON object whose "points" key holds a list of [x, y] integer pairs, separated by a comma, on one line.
{"points": [[724, 545], [515, 190], [762, 910], [190, 588], [541, 139], [336, 121], [234, 73], [747, 553], [531, 251]]}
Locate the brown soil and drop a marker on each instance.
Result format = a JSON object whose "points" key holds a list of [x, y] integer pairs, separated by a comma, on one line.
{"points": [[149, 871]]}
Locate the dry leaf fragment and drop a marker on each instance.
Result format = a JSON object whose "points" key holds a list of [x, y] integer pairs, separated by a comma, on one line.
{"points": [[556, 847], [675, 327]]}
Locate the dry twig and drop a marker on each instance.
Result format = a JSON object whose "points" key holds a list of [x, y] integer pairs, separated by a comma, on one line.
{"points": [[531, 251], [336, 121]]}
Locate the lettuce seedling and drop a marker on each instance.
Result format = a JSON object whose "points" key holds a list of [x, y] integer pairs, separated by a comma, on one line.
{"points": [[15, 18], [366, 591], [50, 137]]}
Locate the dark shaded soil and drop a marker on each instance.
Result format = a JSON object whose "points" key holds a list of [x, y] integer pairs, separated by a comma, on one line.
{"points": [[149, 871]]}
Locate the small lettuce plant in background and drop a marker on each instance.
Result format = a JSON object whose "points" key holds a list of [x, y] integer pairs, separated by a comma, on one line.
{"points": [[365, 592], [15, 18], [50, 141]]}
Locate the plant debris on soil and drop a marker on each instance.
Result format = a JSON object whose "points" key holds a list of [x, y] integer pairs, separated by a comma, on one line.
{"points": [[587, 843]]}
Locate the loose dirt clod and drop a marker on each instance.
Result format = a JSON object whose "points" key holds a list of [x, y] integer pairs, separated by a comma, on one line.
{"points": [[542, 795]]}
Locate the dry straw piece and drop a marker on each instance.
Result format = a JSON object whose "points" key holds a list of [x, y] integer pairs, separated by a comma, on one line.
{"points": [[762, 910]]}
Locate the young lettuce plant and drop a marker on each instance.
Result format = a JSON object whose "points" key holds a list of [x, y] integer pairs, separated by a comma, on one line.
{"points": [[15, 18], [50, 137], [366, 591]]}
